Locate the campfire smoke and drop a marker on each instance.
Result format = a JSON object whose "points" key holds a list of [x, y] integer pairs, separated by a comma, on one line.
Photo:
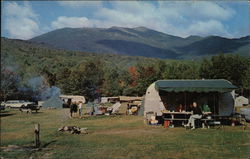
{"points": [[40, 90]]}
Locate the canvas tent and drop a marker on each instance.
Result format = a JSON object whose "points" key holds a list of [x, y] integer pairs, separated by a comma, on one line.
{"points": [[167, 94], [54, 102], [115, 107], [241, 101]]}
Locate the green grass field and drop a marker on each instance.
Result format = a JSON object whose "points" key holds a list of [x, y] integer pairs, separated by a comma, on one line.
{"points": [[119, 137]]}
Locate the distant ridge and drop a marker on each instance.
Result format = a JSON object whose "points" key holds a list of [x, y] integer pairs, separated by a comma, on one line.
{"points": [[141, 41]]}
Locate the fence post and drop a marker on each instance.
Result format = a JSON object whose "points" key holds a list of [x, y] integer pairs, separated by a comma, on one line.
{"points": [[37, 137]]}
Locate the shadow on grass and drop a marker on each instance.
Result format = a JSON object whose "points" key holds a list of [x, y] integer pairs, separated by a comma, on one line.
{"points": [[48, 143], [5, 114], [36, 112], [96, 117], [31, 112]]}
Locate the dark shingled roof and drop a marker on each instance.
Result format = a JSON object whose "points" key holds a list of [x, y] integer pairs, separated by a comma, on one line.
{"points": [[211, 85]]}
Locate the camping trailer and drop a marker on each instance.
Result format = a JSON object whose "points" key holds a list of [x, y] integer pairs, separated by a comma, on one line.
{"points": [[69, 99], [162, 95], [73, 98]]}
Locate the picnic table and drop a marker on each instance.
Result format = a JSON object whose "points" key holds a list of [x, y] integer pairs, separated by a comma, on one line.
{"points": [[184, 116], [176, 115]]}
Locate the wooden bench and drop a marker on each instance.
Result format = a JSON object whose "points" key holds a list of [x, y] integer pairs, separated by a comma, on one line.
{"points": [[205, 122]]}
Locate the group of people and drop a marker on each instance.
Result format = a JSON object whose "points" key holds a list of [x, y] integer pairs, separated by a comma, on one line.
{"points": [[181, 108], [197, 113], [74, 107]]}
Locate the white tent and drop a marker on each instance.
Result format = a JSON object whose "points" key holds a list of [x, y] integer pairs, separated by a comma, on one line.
{"points": [[152, 102], [241, 101], [115, 107]]}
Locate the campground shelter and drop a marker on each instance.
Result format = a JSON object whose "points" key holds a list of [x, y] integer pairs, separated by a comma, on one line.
{"points": [[129, 99], [120, 99], [218, 94]]}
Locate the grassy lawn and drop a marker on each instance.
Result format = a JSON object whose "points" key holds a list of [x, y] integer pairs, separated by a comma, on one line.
{"points": [[118, 137]]}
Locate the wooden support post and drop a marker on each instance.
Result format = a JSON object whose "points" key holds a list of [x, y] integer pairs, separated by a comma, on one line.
{"points": [[37, 135]]}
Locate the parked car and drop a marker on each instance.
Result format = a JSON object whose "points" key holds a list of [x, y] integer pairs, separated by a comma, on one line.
{"points": [[17, 103], [2, 106], [246, 113], [30, 108]]}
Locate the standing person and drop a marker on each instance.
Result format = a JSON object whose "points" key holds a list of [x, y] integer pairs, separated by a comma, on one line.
{"points": [[71, 110], [128, 107], [74, 107], [93, 109], [197, 114], [80, 107]]}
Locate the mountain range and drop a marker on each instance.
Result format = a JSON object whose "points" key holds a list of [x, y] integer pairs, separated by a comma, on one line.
{"points": [[141, 41]]}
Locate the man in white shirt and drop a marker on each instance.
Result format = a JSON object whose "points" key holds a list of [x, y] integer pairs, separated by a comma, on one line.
{"points": [[80, 107]]}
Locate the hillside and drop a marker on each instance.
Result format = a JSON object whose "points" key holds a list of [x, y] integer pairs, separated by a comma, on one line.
{"points": [[141, 41], [29, 57], [215, 45], [77, 72]]}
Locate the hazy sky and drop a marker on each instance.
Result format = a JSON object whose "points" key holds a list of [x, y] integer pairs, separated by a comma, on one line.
{"points": [[24, 20]]}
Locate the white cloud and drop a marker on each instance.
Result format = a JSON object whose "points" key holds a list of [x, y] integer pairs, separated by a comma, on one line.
{"points": [[13, 9], [22, 28], [211, 27], [197, 10], [176, 18], [21, 20], [72, 22]]}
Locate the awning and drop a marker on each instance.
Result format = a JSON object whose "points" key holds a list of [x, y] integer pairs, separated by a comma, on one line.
{"points": [[213, 85]]}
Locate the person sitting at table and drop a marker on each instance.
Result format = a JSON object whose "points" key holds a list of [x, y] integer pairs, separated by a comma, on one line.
{"points": [[205, 108], [197, 114], [179, 108], [189, 108]]}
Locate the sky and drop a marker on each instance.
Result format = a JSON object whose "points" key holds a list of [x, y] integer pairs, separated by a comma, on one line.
{"points": [[27, 19]]}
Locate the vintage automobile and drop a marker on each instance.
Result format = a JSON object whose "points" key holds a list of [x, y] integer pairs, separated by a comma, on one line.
{"points": [[2, 106], [29, 108], [17, 103]]}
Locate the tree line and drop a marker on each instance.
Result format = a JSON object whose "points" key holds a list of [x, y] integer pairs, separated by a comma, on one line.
{"points": [[94, 78]]}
